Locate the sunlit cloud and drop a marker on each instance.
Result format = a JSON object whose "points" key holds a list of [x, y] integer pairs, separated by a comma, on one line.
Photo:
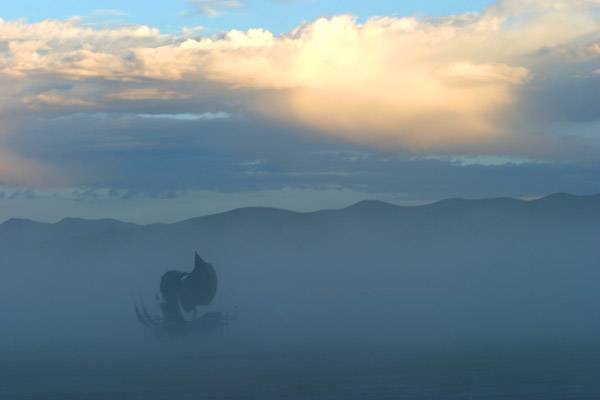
{"points": [[460, 85], [207, 116], [18, 170], [146, 94], [55, 99]]}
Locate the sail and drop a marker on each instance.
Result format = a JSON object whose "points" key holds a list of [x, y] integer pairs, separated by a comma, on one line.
{"points": [[183, 290], [199, 287], [170, 289]]}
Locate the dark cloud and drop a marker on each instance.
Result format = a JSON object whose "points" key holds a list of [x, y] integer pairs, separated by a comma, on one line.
{"points": [[159, 157]]}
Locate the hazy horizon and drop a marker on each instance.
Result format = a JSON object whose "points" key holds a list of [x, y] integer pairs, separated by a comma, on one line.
{"points": [[284, 208]]}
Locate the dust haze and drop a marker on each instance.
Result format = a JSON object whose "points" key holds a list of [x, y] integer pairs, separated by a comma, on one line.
{"points": [[452, 274]]}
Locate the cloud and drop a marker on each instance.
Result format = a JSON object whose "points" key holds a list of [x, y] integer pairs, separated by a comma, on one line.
{"points": [[213, 8], [146, 94], [72, 49], [207, 116], [55, 99], [461, 84], [413, 84]]}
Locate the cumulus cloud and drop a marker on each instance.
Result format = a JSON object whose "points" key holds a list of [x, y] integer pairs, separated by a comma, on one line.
{"points": [[446, 85], [416, 84], [72, 49]]}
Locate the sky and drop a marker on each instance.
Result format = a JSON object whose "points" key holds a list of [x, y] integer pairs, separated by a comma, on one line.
{"points": [[278, 16], [161, 111]]}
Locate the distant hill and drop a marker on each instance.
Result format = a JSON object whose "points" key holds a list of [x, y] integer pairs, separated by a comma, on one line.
{"points": [[456, 270]]}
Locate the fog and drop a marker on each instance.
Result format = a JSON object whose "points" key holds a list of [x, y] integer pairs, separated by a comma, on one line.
{"points": [[451, 276]]}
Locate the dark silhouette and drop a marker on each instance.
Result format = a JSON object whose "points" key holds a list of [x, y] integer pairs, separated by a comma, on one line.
{"points": [[182, 292]]}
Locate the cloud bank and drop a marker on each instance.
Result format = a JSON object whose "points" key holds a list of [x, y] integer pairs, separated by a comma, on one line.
{"points": [[483, 83]]}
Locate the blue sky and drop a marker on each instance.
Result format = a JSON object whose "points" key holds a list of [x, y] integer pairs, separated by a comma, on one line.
{"points": [[278, 16], [124, 113]]}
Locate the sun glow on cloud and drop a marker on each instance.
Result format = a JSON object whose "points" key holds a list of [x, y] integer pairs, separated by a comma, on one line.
{"points": [[424, 85], [21, 171]]}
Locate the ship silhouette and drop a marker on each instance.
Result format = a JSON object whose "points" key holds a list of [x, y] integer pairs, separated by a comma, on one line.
{"points": [[181, 294]]}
